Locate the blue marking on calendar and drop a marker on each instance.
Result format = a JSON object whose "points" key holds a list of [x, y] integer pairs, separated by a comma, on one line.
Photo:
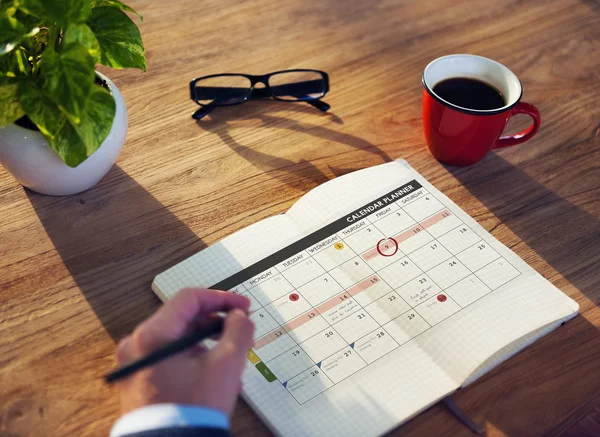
{"points": [[285, 384], [352, 345], [319, 364]]}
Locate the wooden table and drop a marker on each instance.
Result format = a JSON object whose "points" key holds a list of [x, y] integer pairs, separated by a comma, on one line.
{"points": [[75, 272]]}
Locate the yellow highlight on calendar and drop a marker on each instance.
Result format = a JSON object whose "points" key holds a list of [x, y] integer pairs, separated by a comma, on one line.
{"points": [[339, 246], [253, 357]]}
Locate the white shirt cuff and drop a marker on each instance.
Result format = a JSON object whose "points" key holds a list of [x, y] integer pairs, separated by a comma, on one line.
{"points": [[168, 416]]}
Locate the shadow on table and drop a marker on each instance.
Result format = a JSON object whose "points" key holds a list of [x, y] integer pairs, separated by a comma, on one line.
{"points": [[114, 239], [271, 114]]}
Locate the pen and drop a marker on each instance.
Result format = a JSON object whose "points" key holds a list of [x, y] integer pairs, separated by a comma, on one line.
{"points": [[166, 351]]}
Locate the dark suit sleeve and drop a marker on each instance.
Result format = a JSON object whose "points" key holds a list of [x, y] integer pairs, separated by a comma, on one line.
{"points": [[182, 432]]}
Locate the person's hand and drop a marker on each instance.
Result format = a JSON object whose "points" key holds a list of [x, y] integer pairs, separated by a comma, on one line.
{"points": [[198, 376]]}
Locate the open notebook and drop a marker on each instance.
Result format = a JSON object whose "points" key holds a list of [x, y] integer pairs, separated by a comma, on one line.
{"points": [[374, 297]]}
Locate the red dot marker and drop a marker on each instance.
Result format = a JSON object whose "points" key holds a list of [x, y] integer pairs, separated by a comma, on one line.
{"points": [[442, 298], [294, 297]]}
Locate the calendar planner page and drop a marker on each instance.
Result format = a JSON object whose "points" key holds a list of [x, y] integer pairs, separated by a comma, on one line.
{"points": [[377, 313]]}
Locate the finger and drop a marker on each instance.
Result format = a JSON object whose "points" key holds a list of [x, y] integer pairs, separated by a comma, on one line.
{"points": [[197, 350], [189, 303], [237, 335], [203, 321], [174, 319], [124, 352], [215, 338]]}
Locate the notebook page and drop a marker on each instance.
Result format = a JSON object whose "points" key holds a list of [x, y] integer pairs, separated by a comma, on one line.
{"points": [[510, 350], [228, 256]]}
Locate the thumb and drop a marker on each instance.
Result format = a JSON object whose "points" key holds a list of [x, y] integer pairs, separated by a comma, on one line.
{"points": [[237, 335]]}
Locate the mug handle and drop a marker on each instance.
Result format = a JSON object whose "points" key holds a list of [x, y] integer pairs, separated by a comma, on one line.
{"points": [[524, 135]]}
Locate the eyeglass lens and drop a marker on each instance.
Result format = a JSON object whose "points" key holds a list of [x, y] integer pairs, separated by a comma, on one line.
{"points": [[297, 85], [222, 90], [289, 86]]}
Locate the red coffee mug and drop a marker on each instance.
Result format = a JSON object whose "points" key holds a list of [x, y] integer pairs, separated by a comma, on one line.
{"points": [[462, 136]]}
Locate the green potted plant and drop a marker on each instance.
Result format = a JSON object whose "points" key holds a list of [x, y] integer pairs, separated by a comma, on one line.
{"points": [[63, 124]]}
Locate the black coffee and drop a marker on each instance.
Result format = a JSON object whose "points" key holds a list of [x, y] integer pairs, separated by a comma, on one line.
{"points": [[469, 93]]}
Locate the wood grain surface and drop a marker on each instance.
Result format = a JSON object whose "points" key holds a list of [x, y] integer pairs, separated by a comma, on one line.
{"points": [[75, 272]]}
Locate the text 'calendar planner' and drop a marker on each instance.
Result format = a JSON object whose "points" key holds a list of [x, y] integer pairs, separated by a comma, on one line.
{"points": [[374, 297]]}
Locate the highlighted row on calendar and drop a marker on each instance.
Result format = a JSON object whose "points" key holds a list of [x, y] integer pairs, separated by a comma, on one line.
{"points": [[409, 233], [333, 310]]}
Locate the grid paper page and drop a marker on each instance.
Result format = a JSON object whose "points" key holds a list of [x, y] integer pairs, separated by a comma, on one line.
{"points": [[228, 256], [389, 299]]}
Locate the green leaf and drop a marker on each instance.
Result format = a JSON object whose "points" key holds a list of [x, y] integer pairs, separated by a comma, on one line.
{"points": [[63, 12], [115, 4], [29, 21], [82, 34], [12, 32], [41, 109], [11, 107], [97, 119], [69, 76], [8, 7], [14, 64], [72, 143], [119, 38]]}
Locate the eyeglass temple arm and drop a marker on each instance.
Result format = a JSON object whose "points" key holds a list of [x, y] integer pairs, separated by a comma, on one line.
{"points": [[203, 112], [319, 104]]}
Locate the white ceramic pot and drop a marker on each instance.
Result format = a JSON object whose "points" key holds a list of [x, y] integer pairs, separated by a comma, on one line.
{"points": [[26, 154]]}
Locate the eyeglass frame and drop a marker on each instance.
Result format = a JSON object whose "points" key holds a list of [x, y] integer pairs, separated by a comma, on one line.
{"points": [[264, 92]]}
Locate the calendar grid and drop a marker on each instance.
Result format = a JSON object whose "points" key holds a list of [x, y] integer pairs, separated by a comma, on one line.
{"points": [[340, 304]]}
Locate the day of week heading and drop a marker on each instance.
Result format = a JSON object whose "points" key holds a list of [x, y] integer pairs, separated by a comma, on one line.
{"points": [[383, 212], [261, 277], [354, 227], [326, 242], [293, 260]]}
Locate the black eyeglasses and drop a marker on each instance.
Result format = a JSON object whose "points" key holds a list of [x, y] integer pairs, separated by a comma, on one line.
{"points": [[233, 89]]}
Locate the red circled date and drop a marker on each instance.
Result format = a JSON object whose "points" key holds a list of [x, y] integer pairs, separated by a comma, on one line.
{"points": [[387, 246]]}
